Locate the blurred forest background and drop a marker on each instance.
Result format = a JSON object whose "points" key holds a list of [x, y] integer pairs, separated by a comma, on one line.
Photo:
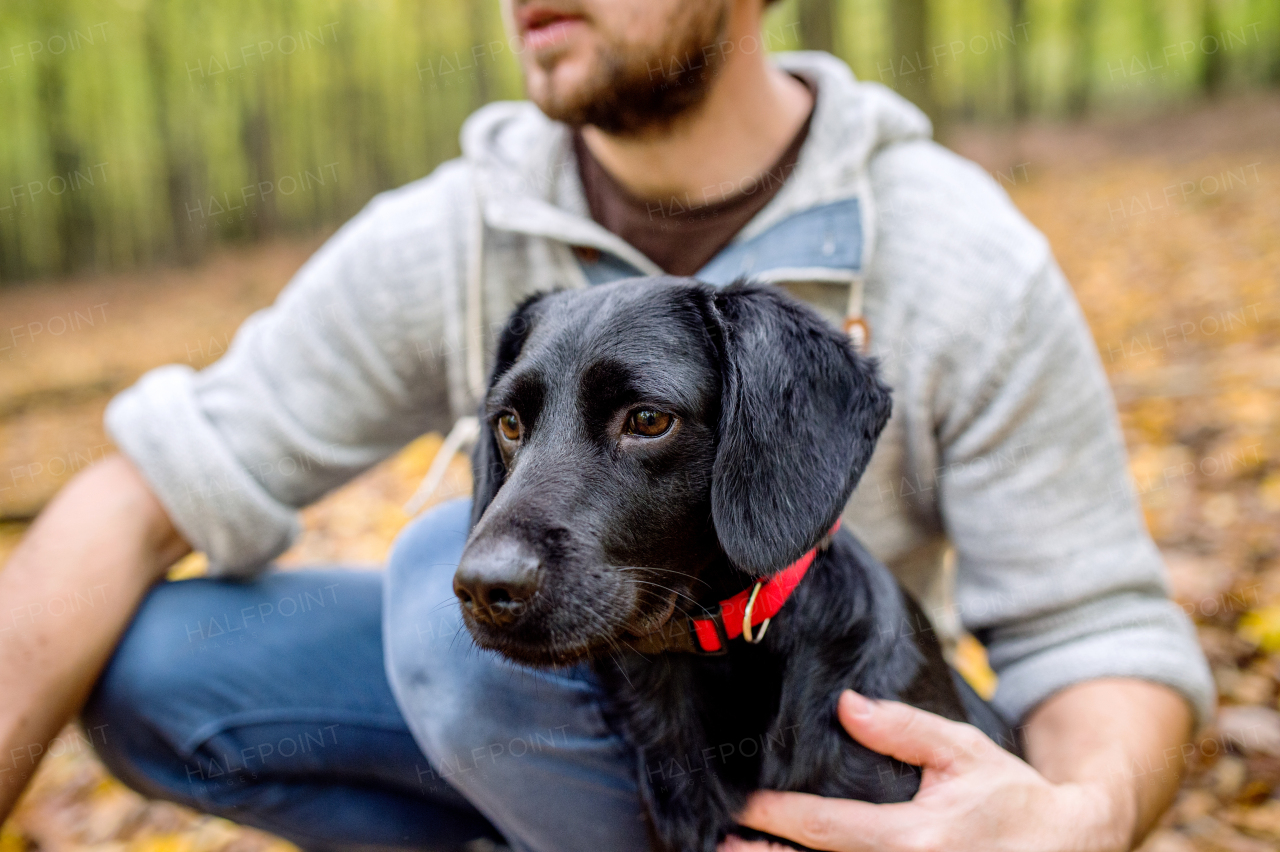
{"points": [[139, 130], [166, 166]]}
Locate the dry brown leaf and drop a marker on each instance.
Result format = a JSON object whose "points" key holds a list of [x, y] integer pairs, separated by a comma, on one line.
{"points": [[1250, 729]]}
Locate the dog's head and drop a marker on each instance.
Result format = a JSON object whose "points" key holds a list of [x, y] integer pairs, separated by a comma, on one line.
{"points": [[636, 433]]}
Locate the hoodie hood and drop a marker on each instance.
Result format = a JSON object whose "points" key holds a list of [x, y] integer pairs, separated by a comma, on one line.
{"points": [[526, 177]]}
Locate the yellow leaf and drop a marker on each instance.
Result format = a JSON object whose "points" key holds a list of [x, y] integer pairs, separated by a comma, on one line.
{"points": [[11, 840], [412, 461], [191, 565], [10, 535], [1261, 627], [1269, 492], [161, 843], [971, 662]]}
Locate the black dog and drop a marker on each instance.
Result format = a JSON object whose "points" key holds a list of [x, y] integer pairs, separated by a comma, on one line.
{"points": [[651, 449]]}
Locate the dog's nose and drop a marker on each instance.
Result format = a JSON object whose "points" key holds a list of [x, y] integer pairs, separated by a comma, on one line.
{"points": [[495, 582]]}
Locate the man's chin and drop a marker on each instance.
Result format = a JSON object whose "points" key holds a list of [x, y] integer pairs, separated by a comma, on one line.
{"points": [[563, 88]]}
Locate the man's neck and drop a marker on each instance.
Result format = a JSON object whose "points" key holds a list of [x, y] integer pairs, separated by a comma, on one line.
{"points": [[750, 115]]}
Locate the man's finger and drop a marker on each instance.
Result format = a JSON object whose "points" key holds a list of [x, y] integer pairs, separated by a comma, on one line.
{"points": [[733, 843], [836, 825], [909, 734]]}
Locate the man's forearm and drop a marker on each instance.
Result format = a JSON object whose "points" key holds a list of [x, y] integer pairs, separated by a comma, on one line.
{"points": [[66, 596], [1124, 737]]}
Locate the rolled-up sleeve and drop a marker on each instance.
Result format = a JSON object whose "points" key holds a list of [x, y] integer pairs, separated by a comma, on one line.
{"points": [[1056, 573], [339, 373], [209, 494]]}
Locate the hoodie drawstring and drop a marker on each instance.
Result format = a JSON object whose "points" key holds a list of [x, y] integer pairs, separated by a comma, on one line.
{"points": [[465, 429]]}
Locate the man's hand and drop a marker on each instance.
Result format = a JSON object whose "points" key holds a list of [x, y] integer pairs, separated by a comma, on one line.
{"points": [[974, 796]]}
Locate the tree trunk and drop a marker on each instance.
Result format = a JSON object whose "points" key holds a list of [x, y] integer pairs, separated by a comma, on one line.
{"points": [[1017, 60], [912, 61], [1081, 92], [817, 20], [1211, 72]]}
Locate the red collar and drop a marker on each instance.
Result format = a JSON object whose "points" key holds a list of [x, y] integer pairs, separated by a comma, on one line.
{"points": [[753, 607]]}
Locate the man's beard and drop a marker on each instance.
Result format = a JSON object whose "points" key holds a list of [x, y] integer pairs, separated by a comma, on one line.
{"points": [[635, 93]]}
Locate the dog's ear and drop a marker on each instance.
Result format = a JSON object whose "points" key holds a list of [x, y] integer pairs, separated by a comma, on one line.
{"points": [[800, 414], [488, 471]]}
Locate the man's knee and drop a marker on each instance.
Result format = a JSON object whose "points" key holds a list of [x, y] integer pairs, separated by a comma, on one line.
{"points": [[449, 690], [489, 727], [424, 637], [485, 724], [431, 543], [146, 682]]}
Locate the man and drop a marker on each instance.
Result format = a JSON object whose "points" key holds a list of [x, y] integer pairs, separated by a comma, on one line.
{"points": [[662, 139]]}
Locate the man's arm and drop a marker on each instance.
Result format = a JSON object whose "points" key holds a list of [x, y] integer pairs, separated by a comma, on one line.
{"points": [[104, 539], [1007, 415], [349, 364], [1125, 735], [1109, 758]]}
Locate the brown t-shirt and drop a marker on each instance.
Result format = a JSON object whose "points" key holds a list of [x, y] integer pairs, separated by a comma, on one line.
{"points": [[681, 233]]}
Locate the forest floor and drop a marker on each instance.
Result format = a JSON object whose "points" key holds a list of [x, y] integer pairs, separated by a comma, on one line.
{"points": [[1169, 230]]}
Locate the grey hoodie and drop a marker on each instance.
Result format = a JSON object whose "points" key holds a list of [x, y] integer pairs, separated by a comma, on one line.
{"points": [[1003, 445]]}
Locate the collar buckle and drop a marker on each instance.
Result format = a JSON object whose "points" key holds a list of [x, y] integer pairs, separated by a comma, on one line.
{"points": [[746, 617]]}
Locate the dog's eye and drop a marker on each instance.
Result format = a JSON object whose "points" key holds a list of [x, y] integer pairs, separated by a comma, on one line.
{"points": [[509, 426], [648, 422]]}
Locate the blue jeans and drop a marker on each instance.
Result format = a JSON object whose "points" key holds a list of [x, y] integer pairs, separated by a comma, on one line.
{"points": [[350, 710]]}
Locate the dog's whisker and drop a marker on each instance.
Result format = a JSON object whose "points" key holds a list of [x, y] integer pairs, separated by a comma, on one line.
{"points": [[594, 619], [646, 569], [677, 592], [615, 654], [621, 669], [444, 604], [660, 571]]}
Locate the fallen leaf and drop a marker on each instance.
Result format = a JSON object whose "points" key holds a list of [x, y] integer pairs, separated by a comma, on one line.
{"points": [[1250, 729], [1263, 820]]}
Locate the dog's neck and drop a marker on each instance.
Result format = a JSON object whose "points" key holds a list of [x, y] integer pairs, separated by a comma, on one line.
{"points": [[722, 579], [719, 580], [718, 583]]}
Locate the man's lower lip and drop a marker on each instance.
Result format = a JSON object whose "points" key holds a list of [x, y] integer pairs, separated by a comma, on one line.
{"points": [[552, 34]]}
